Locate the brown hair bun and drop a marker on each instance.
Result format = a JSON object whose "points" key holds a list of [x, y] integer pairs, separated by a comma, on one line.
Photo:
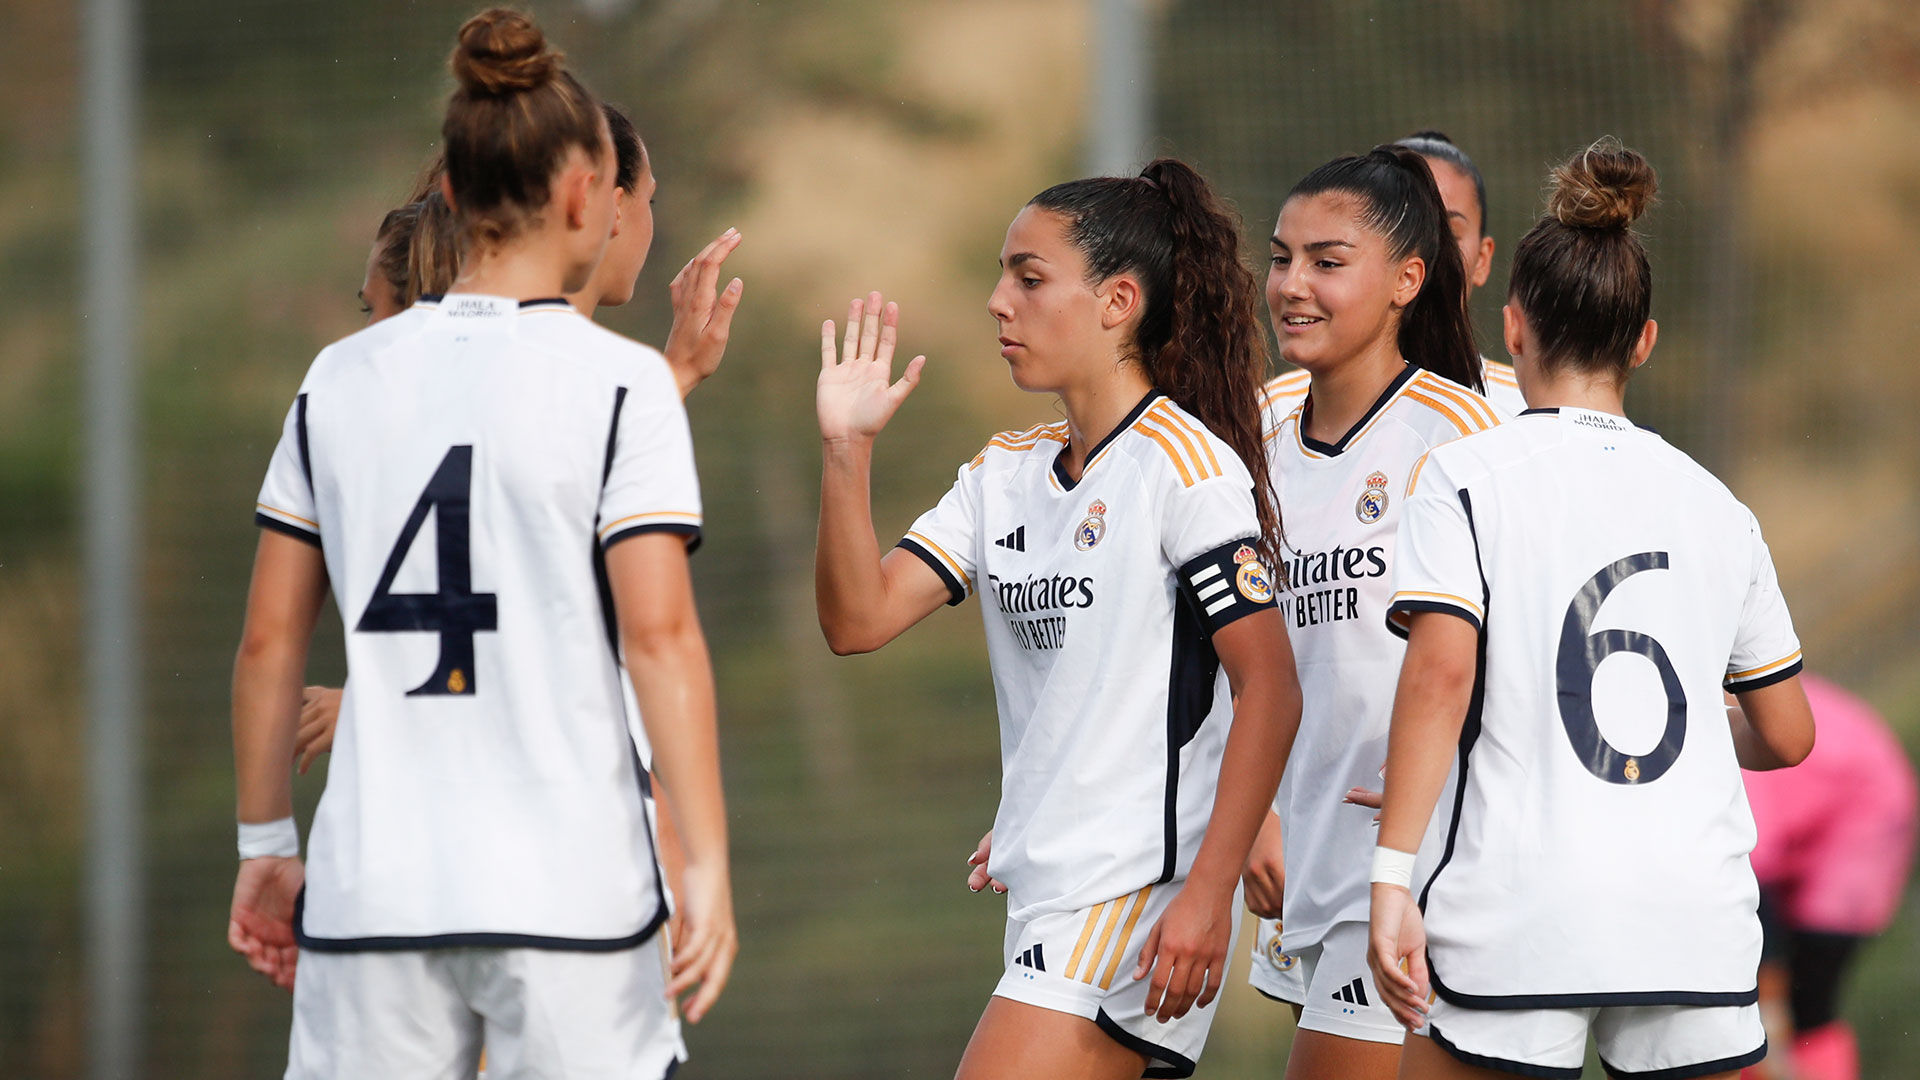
{"points": [[502, 52], [1606, 187]]}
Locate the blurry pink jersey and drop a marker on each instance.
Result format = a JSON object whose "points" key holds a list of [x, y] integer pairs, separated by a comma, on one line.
{"points": [[1836, 832]]}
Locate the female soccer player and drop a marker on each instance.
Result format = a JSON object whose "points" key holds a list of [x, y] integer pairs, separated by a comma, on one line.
{"points": [[1121, 558], [1464, 191], [481, 861], [415, 254], [1576, 592], [1368, 298]]}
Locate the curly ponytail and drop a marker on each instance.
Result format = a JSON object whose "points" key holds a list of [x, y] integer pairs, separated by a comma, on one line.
{"points": [[1200, 338], [1401, 202]]}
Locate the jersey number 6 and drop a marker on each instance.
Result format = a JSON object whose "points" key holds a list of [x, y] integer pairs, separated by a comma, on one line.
{"points": [[456, 611], [1581, 654]]}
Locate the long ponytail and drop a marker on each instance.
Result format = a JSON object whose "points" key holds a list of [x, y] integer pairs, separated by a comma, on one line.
{"points": [[1200, 338], [1401, 202]]}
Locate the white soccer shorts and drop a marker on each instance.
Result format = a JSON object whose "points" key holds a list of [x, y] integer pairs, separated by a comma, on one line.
{"points": [[1329, 980], [426, 1014], [1082, 962], [1672, 1042]]}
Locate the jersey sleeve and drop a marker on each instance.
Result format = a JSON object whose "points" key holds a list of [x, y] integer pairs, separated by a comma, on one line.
{"points": [[1211, 532], [1765, 648], [944, 537], [1436, 556], [286, 503], [649, 483]]}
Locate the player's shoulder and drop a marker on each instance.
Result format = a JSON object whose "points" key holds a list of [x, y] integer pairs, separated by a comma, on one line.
{"points": [[1011, 447], [1172, 446], [1280, 397], [367, 344], [1442, 410]]}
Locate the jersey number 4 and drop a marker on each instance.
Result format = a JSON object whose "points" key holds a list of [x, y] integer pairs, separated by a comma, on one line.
{"points": [[456, 611], [1582, 652]]}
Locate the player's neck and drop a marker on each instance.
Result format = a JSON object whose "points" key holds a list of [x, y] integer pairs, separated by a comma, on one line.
{"points": [[1096, 408], [1342, 393], [1577, 390], [520, 270]]}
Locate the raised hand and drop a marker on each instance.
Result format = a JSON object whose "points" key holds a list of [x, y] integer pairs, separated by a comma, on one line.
{"points": [[702, 316], [857, 394]]}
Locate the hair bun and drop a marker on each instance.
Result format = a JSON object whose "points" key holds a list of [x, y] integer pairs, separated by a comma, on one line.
{"points": [[502, 52], [1606, 186]]}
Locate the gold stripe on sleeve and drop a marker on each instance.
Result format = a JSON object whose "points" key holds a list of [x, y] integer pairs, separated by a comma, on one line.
{"points": [[1736, 676]]}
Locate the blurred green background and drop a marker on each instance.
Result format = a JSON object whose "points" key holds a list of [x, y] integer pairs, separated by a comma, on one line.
{"points": [[862, 144]]}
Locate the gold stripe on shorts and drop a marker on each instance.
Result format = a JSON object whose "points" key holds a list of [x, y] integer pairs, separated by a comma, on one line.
{"points": [[1086, 934], [1126, 936]]}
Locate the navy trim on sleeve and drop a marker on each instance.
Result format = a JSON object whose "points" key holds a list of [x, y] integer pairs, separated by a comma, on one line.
{"points": [[1410, 606], [691, 532], [279, 526], [1761, 681], [300, 429], [955, 590], [1227, 584]]}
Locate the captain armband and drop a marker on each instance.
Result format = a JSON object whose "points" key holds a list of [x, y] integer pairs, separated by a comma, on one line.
{"points": [[1228, 583]]}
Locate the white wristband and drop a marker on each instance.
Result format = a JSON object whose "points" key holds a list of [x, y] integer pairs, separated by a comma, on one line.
{"points": [[1392, 867], [280, 839]]}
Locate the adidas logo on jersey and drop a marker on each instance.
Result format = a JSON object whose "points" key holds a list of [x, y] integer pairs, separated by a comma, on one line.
{"points": [[1031, 958], [1015, 540], [1354, 993]]}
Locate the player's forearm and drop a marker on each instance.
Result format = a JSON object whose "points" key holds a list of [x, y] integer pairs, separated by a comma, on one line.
{"points": [[673, 683], [266, 714], [1429, 708], [1266, 719], [849, 586]]}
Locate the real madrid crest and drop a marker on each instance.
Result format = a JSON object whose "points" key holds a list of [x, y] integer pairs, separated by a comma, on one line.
{"points": [[1631, 771], [1277, 958], [1251, 579], [1373, 501], [1092, 528]]}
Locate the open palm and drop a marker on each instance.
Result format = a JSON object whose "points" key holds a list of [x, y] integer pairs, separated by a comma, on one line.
{"points": [[857, 393]]}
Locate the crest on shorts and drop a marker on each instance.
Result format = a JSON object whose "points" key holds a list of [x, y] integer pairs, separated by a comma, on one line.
{"points": [[1277, 958], [1092, 528], [1373, 501]]}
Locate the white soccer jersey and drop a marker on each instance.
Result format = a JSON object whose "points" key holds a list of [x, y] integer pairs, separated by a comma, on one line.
{"points": [[463, 465], [1599, 852], [1503, 388], [1100, 598], [1340, 504]]}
